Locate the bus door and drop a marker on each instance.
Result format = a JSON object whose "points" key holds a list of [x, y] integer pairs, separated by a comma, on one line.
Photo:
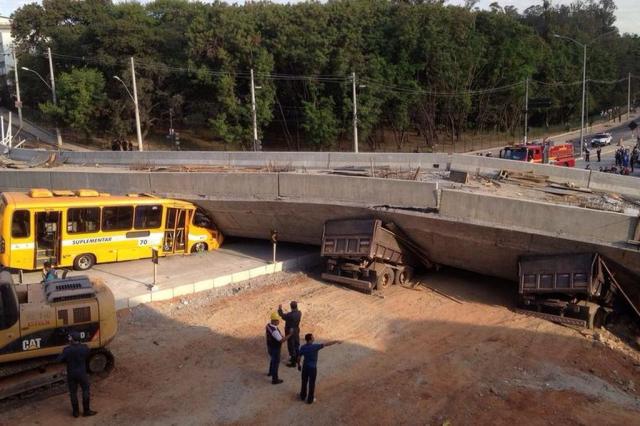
{"points": [[175, 231], [47, 238]]}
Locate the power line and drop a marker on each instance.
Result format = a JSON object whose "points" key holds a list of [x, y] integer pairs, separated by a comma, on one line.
{"points": [[380, 85]]}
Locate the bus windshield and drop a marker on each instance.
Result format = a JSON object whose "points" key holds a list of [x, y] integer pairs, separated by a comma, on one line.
{"points": [[519, 154], [202, 219]]}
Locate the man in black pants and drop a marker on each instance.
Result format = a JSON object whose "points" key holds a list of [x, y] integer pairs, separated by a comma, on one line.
{"points": [[75, 356], [274, 344], [292, 326], [309, 368]]}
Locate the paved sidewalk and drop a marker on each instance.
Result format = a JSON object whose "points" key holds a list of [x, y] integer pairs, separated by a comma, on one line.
{"points": [[181, 275]]}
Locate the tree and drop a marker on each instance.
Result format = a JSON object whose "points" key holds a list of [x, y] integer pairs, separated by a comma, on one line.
{"points": [[81, 100]]}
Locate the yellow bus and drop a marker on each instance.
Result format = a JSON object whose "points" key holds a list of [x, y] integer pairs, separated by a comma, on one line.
{"points": [[85, 227]]}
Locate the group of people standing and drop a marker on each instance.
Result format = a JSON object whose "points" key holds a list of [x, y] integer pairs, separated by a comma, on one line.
{"points": [[626, 159], [307, 352]]}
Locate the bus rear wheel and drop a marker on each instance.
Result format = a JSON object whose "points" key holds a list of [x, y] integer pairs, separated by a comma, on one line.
{"points": [[84, 261], [199, 247]]}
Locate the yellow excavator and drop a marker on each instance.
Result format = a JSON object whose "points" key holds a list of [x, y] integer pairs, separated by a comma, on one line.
{"points": [[35, 321]]}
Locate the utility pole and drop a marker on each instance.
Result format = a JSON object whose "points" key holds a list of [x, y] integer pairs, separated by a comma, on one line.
{"points": [[53, 93], [355, 113], [584, 88], [629, 97], [526, 108], [254, 118], [135, 101], [18, 100]]}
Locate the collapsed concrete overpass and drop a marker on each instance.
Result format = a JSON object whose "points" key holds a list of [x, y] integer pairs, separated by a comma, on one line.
{"points": [[481, 232]]}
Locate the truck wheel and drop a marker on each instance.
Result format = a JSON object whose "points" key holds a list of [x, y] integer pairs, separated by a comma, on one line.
{"points": [[84, 261], [404, 276], [385, 279]]}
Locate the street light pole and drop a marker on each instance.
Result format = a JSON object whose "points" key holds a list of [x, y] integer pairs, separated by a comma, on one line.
{"points": [[584, 78], [355, 113], [15, 71], [254, 117], [584, 89], [135, 101], [526, 109], [629, 97], [53, 93]]}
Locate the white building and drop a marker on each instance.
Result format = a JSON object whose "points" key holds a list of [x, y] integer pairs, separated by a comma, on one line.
{"points": [[6, 42]]}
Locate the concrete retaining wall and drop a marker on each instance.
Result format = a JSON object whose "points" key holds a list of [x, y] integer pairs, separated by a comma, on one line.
{"points": [[317, 160], [358, 190], [549, 219]]}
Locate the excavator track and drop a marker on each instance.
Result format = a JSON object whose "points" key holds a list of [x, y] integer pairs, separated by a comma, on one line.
{"points": [[34, 384]]}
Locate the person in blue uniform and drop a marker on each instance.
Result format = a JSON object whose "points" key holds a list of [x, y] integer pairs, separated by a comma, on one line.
{"points": [[75, 356], [292, 326], [309, 351]]}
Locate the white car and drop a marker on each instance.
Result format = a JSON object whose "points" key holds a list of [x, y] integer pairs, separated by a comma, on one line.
{"points": [[601, 139]]}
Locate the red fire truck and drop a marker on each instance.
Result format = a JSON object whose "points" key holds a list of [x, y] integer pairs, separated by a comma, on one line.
{"points": [[560, 155]]}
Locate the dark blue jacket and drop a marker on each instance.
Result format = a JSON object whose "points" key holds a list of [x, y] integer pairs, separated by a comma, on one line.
{"points": [[291, 319], [75, 356]]}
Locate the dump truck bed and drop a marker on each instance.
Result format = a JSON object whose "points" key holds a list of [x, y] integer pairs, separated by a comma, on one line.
{"points": [[363, 238]]}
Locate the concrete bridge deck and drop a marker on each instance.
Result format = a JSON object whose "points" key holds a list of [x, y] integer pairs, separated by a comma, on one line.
{"points": [[456, 224]]}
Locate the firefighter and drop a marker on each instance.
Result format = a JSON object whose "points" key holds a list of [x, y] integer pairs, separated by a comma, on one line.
{"points": [[310, 366], [292, 326], [75, 356], [274, 344]]}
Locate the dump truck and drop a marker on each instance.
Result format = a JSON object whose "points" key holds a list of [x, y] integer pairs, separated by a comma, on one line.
{"points": [[575, 289], [35, 322], [365, 255]]}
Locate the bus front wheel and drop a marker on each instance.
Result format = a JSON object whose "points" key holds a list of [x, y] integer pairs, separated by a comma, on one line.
{"points": [[83, 262], [199, 247]]}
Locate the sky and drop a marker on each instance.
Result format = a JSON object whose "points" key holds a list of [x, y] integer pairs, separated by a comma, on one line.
{"points": [[628, 13]]}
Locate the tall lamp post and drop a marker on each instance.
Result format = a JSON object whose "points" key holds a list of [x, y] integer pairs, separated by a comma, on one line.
{"points": [[135, 102], [55, 99], [584, 79]]}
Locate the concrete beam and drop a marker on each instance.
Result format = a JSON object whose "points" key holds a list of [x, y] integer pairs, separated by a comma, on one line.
{"points": [[550, 219], [258, 186], [358, 190]]}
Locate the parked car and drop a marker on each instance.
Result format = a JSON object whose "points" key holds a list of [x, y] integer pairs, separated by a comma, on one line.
{"points": [[601, 139]]}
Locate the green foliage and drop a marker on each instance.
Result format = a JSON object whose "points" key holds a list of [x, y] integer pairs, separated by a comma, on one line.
{"points": [[320, 124], [81, 99], [422, 66]]}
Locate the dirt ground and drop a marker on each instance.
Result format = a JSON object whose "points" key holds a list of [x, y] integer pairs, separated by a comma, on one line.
{"points": [[410, 357]]}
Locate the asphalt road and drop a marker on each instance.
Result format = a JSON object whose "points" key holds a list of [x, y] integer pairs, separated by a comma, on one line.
{"points": [[620, 131]]}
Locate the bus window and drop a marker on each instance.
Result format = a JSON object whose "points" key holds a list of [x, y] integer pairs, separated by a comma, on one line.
{"points": [[82, 220], [21, 224], [201, 219], [117, 218], [148, 217]]}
